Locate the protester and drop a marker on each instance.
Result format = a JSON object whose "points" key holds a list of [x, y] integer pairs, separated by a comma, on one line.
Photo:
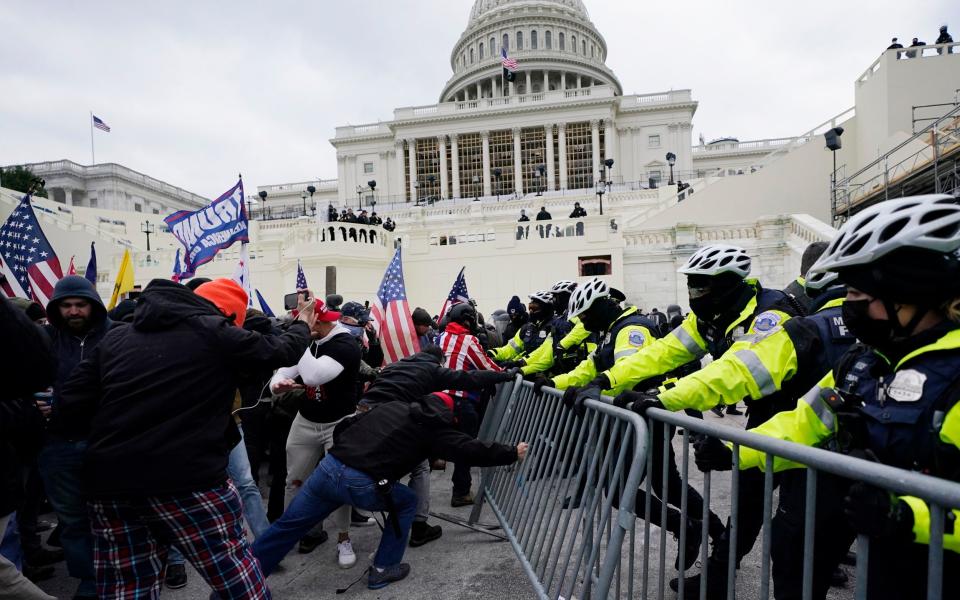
{"points": [[543, 215], [389, 225], [425, 327], [327, 372], [944, 38], [371, 453], [331, 213], [894, 45], [78, 323], [916, 43], [578, 211], [156, 398], [27, 367], [374, 219]]}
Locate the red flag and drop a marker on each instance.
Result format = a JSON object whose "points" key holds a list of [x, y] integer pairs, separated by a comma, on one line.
{"points": [[71, 270]]}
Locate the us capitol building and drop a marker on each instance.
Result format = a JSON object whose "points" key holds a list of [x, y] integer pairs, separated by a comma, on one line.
{"points": [[455, 174]]}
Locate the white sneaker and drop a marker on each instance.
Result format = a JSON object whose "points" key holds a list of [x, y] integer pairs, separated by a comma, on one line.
{"points": [[345, 555]]}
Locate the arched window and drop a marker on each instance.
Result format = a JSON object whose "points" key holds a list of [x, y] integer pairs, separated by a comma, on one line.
{"points": [[493, 46], [548, 40], [506, 41], [533, 39], [563, 45], [519, 40], [573, 43], [471, 56], [593, 51], [481, 50], [584, 47]]}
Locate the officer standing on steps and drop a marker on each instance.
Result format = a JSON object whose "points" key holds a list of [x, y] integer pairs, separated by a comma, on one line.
{"points": [[623, 333], [782, 362], [892, 398], [725, 306], [531, 334]]}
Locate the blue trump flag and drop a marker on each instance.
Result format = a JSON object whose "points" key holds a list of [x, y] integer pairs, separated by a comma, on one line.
{"points": [[263, 305], [205, 232], [91, 274]]}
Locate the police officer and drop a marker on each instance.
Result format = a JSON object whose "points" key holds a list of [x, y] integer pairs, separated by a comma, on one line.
{"points": [[531, 335], [621, 334], [725, 305], [568, 337], [893, 397]]}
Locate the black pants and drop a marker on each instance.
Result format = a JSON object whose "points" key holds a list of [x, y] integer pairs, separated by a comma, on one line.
{"points": [[897, 570], [469, 423], [278, 428], [29, 511], [674, 489]]}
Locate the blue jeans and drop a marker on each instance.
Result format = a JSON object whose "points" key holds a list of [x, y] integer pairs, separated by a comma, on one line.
{"points": [[331, 485], [10, 543], [61, 467], [238, 469]]}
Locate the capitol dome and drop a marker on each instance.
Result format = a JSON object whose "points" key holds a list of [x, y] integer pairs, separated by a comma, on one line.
{"points": [[554, 42]]}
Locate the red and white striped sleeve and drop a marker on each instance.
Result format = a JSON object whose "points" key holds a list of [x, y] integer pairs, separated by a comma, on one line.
{"points": [[478, 357]]}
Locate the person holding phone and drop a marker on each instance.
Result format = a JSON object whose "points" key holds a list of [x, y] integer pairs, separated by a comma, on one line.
{"points": [[327, 375]]}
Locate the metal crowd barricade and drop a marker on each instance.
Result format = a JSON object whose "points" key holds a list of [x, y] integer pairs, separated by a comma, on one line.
{"points": [[940, 495], [568, 507]]}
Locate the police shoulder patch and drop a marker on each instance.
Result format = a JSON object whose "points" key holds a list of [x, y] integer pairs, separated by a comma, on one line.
{"points": [[637, 338], [766, 321]]}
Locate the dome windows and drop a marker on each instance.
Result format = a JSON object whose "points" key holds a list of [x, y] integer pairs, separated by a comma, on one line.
{"points": [[506, 41], [533, 40], [573, 43], [519, 40], [548, 40], [561, 40], [481, 50]]}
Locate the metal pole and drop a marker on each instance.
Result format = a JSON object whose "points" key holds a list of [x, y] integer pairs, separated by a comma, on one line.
{"points": [[93, 156]]}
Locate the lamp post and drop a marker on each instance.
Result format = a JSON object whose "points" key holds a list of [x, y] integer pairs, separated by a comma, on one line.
{"points": [[416, 192], [540, 174], [263, 207], [497, 173], [476, 188], [607, 165], [148, 228], [601, 188], [431, 179], [832, 140], [303, 196], [671, 160], [311, 190]]}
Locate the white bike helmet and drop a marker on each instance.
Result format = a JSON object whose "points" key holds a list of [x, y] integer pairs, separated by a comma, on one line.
{"points": [[585, 295], [818, 281], [930, 222], [716, 259], [543, 297], [564, 285]]}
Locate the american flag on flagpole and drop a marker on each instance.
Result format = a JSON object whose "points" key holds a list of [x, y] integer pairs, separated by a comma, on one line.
{"points": [[301, 278], [99, 124], [458, 293], [508, 63], [27, 260], [392, 315], [242, 274]]}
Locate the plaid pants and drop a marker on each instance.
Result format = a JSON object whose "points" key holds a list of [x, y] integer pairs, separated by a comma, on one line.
{"points": [[132, 537]]}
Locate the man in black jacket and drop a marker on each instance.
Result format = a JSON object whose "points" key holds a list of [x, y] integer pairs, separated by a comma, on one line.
{"points": [[78, 322], [157, 396], [370, 453]]}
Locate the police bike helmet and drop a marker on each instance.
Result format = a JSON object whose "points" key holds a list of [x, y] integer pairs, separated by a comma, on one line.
{"points": [[543, 297], [716, 259], [564, 285], [814, 282], [585, 295], [902, 250]]}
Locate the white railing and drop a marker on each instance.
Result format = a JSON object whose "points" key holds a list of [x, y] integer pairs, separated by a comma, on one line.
{"points": [[482, 104], [321, 184], [909, 53], [731, 146]]}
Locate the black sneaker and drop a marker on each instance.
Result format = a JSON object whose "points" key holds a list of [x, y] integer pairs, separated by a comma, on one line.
{"points": [[716, 583], [53, 540], [44, 557], [381, 579], [358, 519], [692, 551], [421, 533], [309, 542], [733, 410], [37, 574], [839, 578], [176, 577], [717, 410], [465, 500]]}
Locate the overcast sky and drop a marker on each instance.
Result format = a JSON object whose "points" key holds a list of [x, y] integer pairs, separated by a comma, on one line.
{"points": [[198, 91]]}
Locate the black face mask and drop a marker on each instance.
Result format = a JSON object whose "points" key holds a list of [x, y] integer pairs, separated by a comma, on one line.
{"points": [[872, 332], [711, 305]]}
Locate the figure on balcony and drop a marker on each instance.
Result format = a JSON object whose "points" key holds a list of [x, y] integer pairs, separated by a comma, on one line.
{"points": [[543, 215], [944, 38]]}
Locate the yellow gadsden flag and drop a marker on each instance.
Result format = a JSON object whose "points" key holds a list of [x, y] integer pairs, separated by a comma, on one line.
{"points": [[124, 281]]}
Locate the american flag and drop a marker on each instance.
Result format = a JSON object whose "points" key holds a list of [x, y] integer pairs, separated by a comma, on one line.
{"points": [[301, 278], [392, 314], [27, 261], [458, 293], [508, 63], [99, 124], [177, 270], [242, 274]]}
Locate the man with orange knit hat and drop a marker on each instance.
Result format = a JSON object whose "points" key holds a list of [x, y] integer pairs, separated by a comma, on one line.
{"points": [[155, 398]]}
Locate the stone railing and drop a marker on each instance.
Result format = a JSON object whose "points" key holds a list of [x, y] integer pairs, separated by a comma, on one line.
{"points": [[482, 104], [370, 129], [287, 188], [749, 146], [910, 53], [800, 228], [68, 167], [670, 97]]}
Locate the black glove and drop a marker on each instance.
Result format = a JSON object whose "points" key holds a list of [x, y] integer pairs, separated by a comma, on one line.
{"points": [[711, 454], [625, 398], [878, 513], [570, 396], [511, 364], [540, 381], [511, 373], [601, 381], [589, 392], [642, 402]]}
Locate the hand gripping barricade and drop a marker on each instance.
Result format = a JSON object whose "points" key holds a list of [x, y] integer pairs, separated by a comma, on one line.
{"points": [[568, 510]]}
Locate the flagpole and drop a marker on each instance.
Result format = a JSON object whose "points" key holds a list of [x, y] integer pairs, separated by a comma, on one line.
{"points": [[93, 156]]}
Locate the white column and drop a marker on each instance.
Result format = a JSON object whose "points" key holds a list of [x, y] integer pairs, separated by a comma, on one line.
{"points": [[517, 163], [412, 144], [400, 172], [529, 84], [551, 180], [595, 142], [546, 81], [342, 190], [485, 137], [495, 86], [610, 135], [513, 88], [444, 180], [562, 148], [563, 80], [455, 164], [479, 91]]}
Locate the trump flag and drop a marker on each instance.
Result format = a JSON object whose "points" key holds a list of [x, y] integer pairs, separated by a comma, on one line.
{"points": [[205, 232]]}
